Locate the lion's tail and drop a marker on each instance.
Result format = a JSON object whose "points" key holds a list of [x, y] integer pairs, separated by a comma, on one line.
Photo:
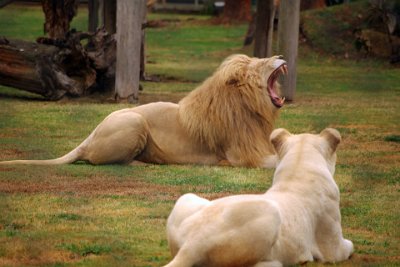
{"points": [[70, 157]]}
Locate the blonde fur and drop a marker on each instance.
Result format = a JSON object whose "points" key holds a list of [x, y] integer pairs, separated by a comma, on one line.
{"points": [[226, 120], [231, 109]]}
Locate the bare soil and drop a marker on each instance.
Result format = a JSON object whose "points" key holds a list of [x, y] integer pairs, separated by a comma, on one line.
{"points": [[90, 186]]}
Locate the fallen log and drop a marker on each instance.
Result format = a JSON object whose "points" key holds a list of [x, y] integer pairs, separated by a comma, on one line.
{"points": [[57, 67]]}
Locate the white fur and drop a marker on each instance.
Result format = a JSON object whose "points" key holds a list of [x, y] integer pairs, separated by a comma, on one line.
{"points": [[278, 63], [295, 221]]}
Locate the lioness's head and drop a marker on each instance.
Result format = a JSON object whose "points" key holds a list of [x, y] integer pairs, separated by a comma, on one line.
{"points": [[309, 148], [254, 74]]}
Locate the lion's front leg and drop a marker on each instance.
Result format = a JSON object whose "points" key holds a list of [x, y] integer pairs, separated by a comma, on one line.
{"points": [[138, 163], [330, 240], [270, 161], [268, 264], [236, 158], [224, 163]]}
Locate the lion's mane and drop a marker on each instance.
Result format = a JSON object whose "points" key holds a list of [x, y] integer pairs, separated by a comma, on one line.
{"points": [[231, 111]]}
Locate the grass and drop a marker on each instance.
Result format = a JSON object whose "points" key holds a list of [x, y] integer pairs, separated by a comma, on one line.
{"points": [[83, 215], [338, 22]]}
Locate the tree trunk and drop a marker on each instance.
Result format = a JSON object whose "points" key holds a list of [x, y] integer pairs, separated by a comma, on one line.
{"points": [[54, 68], [93, 6], [264, 28], [58, 15], [251, 29], [131, 15], [288, 39], [236, 11], [110, 15], [19, 63]]}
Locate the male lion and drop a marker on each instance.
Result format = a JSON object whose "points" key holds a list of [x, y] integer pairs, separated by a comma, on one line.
{"points": [[226, 120], [295, 221]]}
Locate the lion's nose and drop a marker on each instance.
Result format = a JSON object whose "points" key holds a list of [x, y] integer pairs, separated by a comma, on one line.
{"points": [[280, 57]]}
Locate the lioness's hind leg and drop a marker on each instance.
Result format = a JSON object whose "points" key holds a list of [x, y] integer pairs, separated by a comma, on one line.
{"points": [[117, 139], [185, 207]]}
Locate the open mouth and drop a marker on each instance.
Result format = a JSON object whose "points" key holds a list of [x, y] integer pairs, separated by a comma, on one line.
{"points": [[272, 83]]}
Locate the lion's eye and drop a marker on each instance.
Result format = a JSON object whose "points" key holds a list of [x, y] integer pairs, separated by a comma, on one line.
{"points": [[232, 82]]}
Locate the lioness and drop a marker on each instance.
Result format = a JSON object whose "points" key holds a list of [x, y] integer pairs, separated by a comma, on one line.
{"points": [[295, 221], [226, 120]]}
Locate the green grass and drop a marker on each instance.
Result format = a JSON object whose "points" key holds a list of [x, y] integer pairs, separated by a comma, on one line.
{"points": [[337, 22], [27, 21], [83, 215]]}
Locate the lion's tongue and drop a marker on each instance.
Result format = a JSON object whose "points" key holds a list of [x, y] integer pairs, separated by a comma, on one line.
{"points": [[276, 100]]}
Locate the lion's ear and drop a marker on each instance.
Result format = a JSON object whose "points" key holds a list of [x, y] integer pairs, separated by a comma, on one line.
{"points": [[278, 138], [332, 136]]}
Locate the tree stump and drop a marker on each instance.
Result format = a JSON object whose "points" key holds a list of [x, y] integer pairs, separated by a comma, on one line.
{"points": [[58, 16], [57, 67]]}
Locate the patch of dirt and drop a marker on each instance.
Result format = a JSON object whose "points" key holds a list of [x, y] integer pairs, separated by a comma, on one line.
{"points": [[51, 257], [149, 98], [166, 78], [357, 126], [103, 186], [144, 98], [20, 253], [12, 132], [161, 23], [12, 153], [92, 186], [358, 259]]}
